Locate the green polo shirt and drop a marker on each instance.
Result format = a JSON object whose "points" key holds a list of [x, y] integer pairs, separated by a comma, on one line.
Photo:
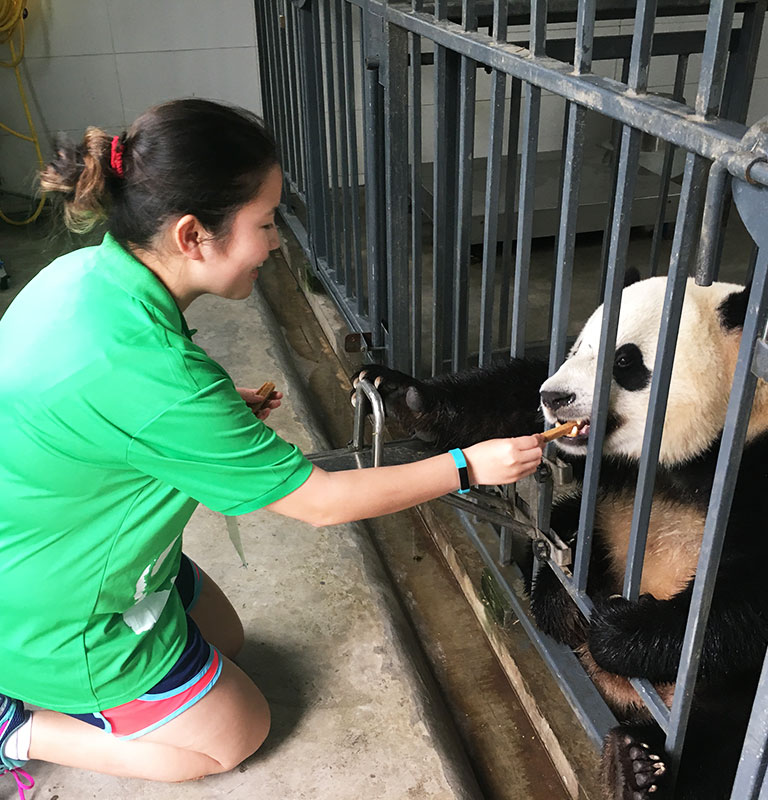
{"points": [[114, 425]]}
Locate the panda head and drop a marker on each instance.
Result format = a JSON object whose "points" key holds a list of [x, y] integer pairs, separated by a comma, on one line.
{"points": [[705, 359]]}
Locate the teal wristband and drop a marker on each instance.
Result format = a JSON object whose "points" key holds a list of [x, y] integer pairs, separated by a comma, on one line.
{"points": [[461, 466]]}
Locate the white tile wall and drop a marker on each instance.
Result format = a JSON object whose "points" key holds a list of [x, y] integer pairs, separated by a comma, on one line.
{"points": [[150, 25], [67, 28], [103, 62], [224, 74]]}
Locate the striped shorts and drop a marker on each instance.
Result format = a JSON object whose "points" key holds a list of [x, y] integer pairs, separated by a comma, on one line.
{"points": [[189, 679]]}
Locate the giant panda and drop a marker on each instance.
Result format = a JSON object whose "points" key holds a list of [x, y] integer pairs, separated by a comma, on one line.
{"points": [[638, 639]]}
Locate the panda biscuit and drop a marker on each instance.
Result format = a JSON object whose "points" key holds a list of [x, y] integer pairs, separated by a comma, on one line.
{"points": [[625, 639]]}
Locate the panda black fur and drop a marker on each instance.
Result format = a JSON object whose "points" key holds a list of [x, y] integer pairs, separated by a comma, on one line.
{"points": [[644, 638]]}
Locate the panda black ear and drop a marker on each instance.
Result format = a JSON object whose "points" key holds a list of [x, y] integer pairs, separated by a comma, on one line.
{"points": [[632, 275], [733, 310]]}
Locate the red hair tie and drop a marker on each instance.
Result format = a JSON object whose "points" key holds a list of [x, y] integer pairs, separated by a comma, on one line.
{"points": [[116, 157]]}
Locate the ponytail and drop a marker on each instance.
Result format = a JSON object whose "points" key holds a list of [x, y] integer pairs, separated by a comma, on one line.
{"points": [[79, 175]]}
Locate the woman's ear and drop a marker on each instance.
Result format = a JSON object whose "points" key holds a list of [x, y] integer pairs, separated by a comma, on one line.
{"points": [[188, 235]]}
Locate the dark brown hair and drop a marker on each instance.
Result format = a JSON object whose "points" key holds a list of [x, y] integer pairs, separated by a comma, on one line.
{"points": [[188, 156]]}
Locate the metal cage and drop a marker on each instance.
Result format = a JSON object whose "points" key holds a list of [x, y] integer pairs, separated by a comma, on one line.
{"points": [[422, 230]]}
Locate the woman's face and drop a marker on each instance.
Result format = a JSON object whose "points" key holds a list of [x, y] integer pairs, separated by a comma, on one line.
{"points": [[234, 266]]}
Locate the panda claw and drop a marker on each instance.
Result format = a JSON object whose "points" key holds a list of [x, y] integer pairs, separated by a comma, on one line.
{"points": [[631, 771], [377, 381]]}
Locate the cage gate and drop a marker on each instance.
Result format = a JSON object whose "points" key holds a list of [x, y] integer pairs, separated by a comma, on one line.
{"points": [[429, 148]]}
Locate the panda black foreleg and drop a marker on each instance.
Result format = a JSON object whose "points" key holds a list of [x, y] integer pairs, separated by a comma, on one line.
{"points": [[645, 638], [464, 408]]}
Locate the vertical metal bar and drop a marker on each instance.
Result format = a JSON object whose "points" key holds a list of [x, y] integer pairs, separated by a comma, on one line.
{"points": [[526, 203], [331, 187], [573, 156], [374, 189], [731, 448], [261, 50], [510, 212], [714, 57], [280, 88], [295, 120], [751, 772], [628, 160], [344, 192], [683, 249], [619, 243], [352, 145], [585, 35], [709, 240], [566, 235], [289, 144], [314, 142], [273, 76], [612, 201], [741, 65], [319, 167], [414, 93], [681, 71], [396, 149], [467, 94], [443, 195], [492, 192]]}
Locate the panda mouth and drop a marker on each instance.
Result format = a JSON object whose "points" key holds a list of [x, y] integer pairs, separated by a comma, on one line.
{"points": [[580, 434]]}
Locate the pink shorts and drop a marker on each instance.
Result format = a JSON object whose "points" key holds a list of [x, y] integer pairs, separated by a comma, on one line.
{"points": [[189, 679]]}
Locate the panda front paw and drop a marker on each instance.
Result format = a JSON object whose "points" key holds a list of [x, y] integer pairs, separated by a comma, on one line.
{"points": [[615, 636], [631, 770], [401, 393]]}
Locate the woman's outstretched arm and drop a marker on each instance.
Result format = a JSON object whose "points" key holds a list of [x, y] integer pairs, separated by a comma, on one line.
{"points": [[331, 498]]}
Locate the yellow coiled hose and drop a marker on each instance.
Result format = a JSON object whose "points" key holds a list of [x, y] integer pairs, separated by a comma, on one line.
{"points": [[12, 25]]}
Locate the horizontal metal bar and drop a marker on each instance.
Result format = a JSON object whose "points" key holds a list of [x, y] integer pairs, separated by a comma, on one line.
{"points": [[653, 702], [609, 48], [653, 114]]}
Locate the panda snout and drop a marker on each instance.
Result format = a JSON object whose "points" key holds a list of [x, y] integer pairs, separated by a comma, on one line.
{"points": [[555, 400]]}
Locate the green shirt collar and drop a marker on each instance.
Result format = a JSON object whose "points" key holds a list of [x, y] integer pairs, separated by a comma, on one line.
{"points": [[140, 282]]}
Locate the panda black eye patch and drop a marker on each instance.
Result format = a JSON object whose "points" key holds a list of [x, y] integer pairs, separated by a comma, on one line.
{"points": [[629, 370]]}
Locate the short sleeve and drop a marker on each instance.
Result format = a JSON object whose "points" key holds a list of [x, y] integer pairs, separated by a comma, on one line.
{"points": [[210, 446]]}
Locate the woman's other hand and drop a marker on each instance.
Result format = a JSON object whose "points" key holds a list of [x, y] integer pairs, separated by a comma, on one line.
{"points": [[254, 401]]}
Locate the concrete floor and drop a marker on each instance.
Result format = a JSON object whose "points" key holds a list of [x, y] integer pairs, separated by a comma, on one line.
{"points": [[355, 715]]}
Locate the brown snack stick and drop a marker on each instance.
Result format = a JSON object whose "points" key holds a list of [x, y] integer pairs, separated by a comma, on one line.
{"points": [[264, 391], [570, 428]]}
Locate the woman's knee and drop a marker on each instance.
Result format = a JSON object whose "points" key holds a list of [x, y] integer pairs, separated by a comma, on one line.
{"points": [[248, 737]]}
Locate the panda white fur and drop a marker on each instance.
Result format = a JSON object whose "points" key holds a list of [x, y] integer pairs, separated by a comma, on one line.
{"points": [[638, 639]]}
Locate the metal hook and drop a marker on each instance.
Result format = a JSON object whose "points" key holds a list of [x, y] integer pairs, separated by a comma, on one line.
{"points": [[366, 391]]}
